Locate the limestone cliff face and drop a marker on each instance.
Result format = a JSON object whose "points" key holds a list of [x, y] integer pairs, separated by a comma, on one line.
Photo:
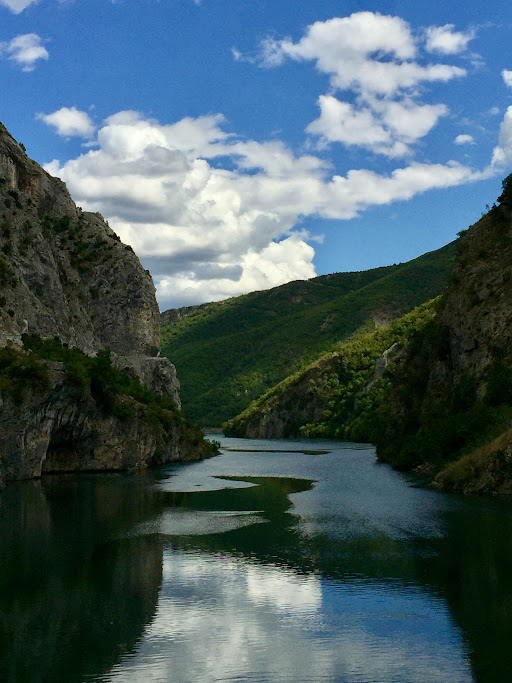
{"points": [[69, 275], [63, 430], [477, 306], [64, 273]]}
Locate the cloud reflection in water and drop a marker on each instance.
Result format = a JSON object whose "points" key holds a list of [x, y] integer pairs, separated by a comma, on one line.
{"points": [[221, 618]]}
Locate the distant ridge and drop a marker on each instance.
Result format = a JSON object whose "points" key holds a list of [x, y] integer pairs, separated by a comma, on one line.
{"points": [[229, 352]]}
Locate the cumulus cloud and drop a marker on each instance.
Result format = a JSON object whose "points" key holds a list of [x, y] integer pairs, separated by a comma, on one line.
{"points": [[444, 40], [464, 139], [25, 50], [214, 216], [69, 122], [367, 52], [502, 154], [382, 126], [376, 58], [345, 123], [17, 6], [507, 77]]}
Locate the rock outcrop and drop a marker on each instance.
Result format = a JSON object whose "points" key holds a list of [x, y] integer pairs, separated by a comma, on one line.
{"points": [[64, 273], [62, 429], [452, 390]]}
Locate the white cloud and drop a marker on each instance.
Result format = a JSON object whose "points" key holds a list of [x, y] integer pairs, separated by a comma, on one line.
{"points": [[25, 50], [373, 56], [410, 121], [444, 40], [464, 139], [382, 126], [362, 188], [17, 6], [277, 263], [366, 52], [502, 154], [69, 122], [214, 216], [507, 77], [343, 122]]}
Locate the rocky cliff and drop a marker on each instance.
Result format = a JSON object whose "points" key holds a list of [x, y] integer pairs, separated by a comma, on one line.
{"points": [[450, 408], [64, 273]]}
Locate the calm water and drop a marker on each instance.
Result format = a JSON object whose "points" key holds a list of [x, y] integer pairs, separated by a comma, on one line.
{"points": [[254, 566]]}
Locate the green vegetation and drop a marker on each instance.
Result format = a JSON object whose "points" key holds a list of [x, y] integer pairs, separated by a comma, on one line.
{"points": [[506, 196], [356, 403], [422, 425], [105, 383], [472, 471], [341, 386], [20, 372], [229, 353]]}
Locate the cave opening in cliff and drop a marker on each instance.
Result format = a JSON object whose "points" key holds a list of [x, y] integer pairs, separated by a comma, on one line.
{"points": [[63, 451]]}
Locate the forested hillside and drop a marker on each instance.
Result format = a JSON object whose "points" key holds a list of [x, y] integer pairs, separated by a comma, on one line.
{"points": [[230, 352], [341, 394]]}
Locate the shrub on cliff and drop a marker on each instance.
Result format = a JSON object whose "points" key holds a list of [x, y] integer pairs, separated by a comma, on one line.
{"points": [[105, 383], [19, 373]]}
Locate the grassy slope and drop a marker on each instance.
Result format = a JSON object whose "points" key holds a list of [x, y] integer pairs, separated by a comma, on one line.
{"points": [[230, 352]]}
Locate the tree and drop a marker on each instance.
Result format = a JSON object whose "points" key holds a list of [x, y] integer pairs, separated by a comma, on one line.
{"points": [[505, 197]]}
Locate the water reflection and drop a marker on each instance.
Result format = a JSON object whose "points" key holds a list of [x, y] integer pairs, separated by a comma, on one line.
{"points": [[71, 599], [222, 619], [233, 568]]}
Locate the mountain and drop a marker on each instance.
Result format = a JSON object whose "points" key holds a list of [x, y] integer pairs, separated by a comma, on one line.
{"points": [[230, 352], [450, 409], [81, 383], [332, 396], [434, 390]]}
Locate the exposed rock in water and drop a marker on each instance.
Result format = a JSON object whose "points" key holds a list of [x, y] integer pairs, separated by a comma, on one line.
{"points": [[64, 273]]}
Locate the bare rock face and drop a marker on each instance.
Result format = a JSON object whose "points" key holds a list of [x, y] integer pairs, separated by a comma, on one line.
{"points": [[174, 314], [478, 305], [158, 373], [64, 273], [64, 431]]}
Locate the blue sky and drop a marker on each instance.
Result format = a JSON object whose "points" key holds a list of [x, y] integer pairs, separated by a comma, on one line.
{"points": [[240, 145]]}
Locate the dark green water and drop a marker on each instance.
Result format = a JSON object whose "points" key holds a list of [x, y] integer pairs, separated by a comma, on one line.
{"points": [[291, 567]]}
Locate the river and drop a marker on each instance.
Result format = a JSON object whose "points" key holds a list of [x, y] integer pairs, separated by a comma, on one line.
{"points": [[275, 561]]}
